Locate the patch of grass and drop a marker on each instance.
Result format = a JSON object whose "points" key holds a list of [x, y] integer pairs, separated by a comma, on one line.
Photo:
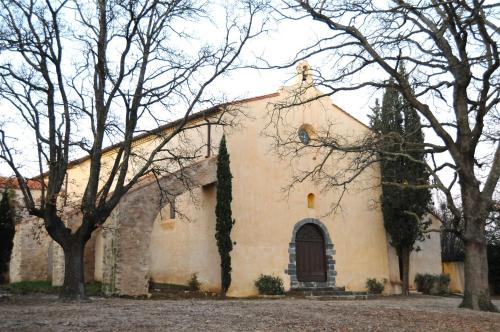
{"points": [[45, 287], [27, 287], [94, 288]]}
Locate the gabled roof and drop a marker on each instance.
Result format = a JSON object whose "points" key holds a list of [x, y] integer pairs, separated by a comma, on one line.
{"points": [[195, 116]]}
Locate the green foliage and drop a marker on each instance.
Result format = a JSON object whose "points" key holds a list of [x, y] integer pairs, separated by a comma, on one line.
{"points": [[193, 283], [443, 281], [7, 230], [269, 285], [405, 197], [424, 282], [374, 286], [434, 284], [224, 223], [400, 137]]}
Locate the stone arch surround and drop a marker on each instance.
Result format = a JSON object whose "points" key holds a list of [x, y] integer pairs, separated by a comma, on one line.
{"points": [[127, 233], [330, 262]]}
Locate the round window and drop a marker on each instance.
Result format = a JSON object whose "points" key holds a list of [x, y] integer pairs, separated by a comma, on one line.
{"points": [[306, 133], [304, 136]]}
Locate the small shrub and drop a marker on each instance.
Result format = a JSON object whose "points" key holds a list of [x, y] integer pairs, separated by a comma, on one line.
{"points": [[193, 283], [269, 285], [424, 282], [374, 286], [443, 281], [432, 283]]}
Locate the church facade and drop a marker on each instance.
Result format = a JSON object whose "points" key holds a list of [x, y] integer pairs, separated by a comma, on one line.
{"points": [[293, 234]]}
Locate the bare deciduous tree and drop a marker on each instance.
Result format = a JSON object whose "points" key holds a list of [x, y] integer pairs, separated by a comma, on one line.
{"points": [[82, 75], [451, 53]]}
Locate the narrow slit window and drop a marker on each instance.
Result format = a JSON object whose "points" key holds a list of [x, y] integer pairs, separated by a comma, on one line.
{"points": [[310, 201]]}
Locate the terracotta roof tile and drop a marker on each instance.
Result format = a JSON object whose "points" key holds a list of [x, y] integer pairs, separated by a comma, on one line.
{"points": [[12, 183]]}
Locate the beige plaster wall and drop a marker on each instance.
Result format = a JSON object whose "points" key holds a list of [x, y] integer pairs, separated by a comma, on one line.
{"points": [[428, 258], [186, 244], [456, 272], [394, 284], [265, 216], [183, 144]]}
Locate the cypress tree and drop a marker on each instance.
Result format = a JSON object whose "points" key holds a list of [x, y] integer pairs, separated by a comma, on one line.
{"points": [[376, 117], [7, 229], [401, 131], [224, 222]]}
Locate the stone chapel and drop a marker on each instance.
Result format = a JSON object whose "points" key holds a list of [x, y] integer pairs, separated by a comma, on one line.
{"points": [[292, 235]]}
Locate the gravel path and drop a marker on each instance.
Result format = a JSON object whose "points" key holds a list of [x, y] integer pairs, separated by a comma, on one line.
{"points": [[417, 313]]}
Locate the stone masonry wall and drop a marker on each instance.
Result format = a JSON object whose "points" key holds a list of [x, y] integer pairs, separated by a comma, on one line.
{"points": [[132, 239], [108, 232], [127, 233], [57, 265], [29, 260]]}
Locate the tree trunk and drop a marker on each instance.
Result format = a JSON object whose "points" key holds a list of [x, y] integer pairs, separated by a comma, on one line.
{"points": [[74, 283], [476, 292], [405, 259], [223, 289]]}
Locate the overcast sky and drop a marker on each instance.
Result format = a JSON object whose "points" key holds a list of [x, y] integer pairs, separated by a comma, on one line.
{"points": [[279, 46]]}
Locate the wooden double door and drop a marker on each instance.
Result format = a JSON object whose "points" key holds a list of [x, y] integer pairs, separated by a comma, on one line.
{"points": [[310, 251]]}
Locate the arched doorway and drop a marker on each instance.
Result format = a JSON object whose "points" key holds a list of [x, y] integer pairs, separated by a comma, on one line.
{"points": [[310, 238], [311, 258]]}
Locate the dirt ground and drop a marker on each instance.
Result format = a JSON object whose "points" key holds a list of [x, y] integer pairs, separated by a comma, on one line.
{"points": [[416, 313]]}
